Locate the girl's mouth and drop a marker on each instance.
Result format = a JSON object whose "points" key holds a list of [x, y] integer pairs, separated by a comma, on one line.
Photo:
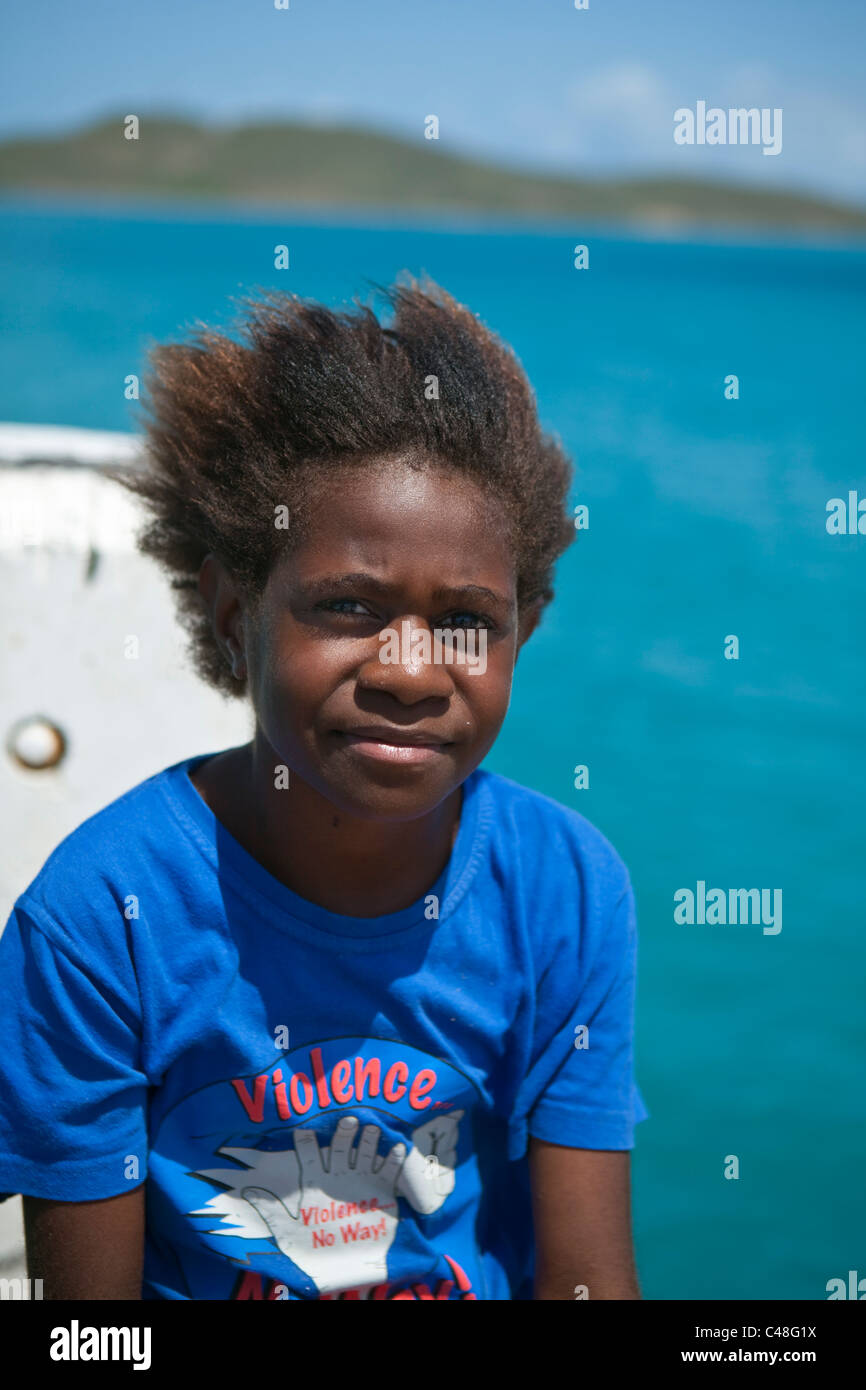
{"points": [[394, 746]]}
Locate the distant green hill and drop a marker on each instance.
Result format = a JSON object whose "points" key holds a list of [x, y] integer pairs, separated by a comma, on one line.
{"points": [[338, 165]]}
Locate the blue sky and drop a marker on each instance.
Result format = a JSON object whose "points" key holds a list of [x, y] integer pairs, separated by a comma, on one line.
{"points": [[530, 82]]}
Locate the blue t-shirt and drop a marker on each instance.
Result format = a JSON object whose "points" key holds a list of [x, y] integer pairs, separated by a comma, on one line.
{"points": [[322, 1106]]}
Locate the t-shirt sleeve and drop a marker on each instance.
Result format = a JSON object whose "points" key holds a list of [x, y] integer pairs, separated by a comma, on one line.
{"points": [[73, 1096], [580, 1089]]}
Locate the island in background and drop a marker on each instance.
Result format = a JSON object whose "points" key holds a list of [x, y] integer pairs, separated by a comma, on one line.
{"points": [[290, 163]]}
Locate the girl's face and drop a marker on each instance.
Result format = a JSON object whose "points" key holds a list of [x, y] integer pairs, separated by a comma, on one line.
{"points": [[386, 547]]}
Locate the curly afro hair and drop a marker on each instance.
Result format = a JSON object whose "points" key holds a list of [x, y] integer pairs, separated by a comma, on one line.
{"points": [[235, 429]]}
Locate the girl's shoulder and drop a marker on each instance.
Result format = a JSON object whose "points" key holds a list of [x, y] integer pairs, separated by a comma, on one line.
{"points": [[551, 836]]}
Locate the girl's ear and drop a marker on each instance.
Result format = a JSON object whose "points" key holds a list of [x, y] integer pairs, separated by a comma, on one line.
{"points": [[226, 612]]}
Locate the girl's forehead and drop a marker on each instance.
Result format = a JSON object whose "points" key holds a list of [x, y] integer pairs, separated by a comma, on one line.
{"points": [[431, 527], [430, 507]]}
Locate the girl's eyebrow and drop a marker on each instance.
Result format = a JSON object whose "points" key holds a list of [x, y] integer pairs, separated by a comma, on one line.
{"points": [[444, 594]]}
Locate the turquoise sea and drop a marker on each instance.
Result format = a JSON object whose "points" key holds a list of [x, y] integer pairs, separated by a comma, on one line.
{"points": [[707, 518]]}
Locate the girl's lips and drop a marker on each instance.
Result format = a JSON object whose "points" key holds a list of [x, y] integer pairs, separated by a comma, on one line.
{"points": [[371, 747]]}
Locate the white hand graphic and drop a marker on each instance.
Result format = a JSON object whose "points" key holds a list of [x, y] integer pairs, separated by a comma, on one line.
{"points": [[427, 1176], [295, 1195]]}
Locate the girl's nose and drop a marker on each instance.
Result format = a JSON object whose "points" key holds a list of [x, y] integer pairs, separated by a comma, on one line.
{"points": [[407, 663]]}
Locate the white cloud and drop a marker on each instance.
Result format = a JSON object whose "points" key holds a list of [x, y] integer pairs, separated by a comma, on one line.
{"points": [[623, 111]]}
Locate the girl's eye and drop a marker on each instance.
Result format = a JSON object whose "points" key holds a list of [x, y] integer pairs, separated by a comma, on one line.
{"points": [[474, 620], [356, 608], [353, 606]]}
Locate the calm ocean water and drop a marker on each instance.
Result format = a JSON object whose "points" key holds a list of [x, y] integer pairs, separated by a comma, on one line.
{"points": [[707, 517]]}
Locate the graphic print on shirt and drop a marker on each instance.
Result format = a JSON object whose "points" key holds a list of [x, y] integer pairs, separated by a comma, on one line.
{"points": [[334, 1170]]}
